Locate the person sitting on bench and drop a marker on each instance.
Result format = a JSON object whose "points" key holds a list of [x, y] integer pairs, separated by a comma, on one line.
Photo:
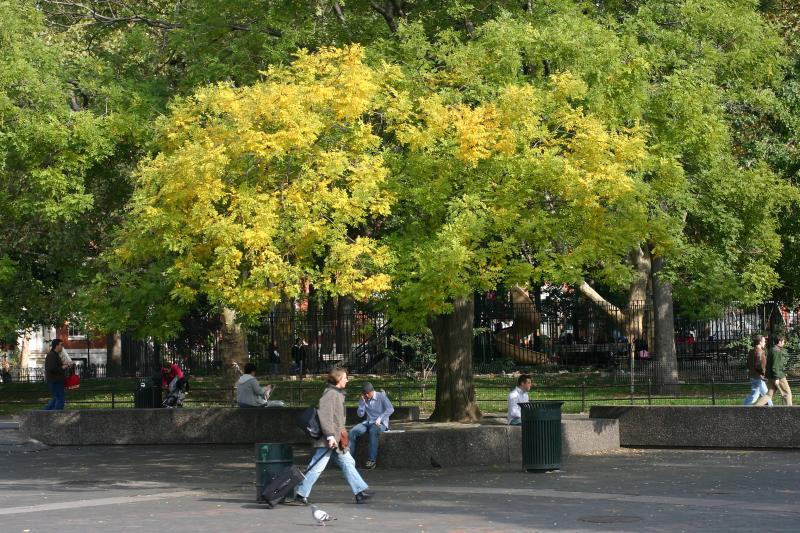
{"points": [[250, 394], [376, 409]]}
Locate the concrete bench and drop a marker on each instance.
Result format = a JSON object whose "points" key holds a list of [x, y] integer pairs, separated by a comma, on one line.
{"points": [[85, 427], [410, 444], [705, 426], [488, 443]]}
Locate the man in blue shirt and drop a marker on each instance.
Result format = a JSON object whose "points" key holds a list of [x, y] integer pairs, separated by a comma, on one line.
{"points": [[376, 409]]}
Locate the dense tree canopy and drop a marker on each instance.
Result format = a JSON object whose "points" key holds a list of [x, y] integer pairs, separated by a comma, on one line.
{"points": [[412, 150], [47, 147]]}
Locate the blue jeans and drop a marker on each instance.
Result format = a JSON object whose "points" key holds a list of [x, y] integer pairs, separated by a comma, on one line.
{"points": [[373, 430], [345, 462], [515, 422], [57, 401], [758, 388]]}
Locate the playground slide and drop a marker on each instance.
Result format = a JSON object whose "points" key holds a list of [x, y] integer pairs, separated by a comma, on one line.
{"points": [[524, 324]]}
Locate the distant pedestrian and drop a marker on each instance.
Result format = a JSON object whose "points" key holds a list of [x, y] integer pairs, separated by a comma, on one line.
{"points": [[517, 396], [299, 356], [55, 373], [776, 374], [5, 369], [274, 357], [756, 370], [334, 437]]}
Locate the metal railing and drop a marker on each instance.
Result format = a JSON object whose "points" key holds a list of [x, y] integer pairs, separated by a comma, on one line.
{"points": [[491, 398]]}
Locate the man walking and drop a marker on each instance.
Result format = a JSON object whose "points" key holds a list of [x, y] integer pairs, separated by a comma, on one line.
{"points": [[517, 396], [376, 409], [54, 375], [756, 368], [776, 375]]}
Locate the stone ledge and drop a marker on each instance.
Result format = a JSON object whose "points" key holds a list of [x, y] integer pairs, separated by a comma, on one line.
{"points": [[482, 444], [705, 426], [85, 427]]}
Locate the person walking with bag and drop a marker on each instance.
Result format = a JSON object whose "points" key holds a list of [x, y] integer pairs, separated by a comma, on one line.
{"points": [[333, 438], [54, 374], [756, 367], [776, 374]]}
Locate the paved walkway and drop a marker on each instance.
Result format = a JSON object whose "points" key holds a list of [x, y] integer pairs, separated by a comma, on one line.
{"points": [[211, 488]]}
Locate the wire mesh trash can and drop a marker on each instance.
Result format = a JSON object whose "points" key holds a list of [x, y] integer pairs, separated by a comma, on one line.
{"points": [[541, 435], [272, 458]]}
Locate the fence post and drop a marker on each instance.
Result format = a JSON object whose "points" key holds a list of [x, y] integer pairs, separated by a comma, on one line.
{"points": [[400, 396], [713, 392], [649, 391], [112, 397], [583, 397]]}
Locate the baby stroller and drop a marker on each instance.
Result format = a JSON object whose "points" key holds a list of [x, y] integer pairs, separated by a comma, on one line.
{"points": [[178, 389]]}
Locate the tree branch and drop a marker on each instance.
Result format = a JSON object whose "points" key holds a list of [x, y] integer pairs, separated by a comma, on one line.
{"points": [[387, 12], [337, 8], [83, 11]]}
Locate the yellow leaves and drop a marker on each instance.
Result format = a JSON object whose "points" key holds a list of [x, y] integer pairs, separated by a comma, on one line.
{"points": [[479, 133], [358, 267], [567, 86], [257, 187], [475, 132]]}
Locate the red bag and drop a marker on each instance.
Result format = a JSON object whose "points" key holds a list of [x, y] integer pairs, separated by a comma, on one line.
{"points": [[72, 382]]}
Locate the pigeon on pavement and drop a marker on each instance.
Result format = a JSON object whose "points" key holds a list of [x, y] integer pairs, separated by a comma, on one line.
{"points": [[320, 516]]}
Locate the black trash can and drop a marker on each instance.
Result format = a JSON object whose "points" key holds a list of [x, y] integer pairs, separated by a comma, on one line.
{"points": [[541, 435], [146, 395], [272, 458]]}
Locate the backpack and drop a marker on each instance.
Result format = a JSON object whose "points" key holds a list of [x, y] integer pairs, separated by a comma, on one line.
{"points": [[308, 421]]}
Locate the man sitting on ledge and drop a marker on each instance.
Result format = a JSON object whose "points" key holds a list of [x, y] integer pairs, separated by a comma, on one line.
{"points": [[376, 408], [517, 396], [250, 394]]}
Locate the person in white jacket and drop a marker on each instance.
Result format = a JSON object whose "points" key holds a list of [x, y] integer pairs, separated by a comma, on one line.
{"points": [[250, 394], [517, 396]]}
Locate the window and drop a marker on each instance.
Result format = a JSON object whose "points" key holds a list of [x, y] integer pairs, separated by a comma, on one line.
{"points": [[75, 332]]}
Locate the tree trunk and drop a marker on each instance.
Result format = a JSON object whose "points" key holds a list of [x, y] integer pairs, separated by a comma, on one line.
{"points": [[455, 387], [632, 322], [284, 328], [640, 259], [344, 326], [666, 357], [312, 321], [232, 346], [25, 349], [328, 325], [114, 354]]}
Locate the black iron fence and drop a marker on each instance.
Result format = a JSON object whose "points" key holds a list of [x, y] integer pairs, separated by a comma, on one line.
{"points": [[491, 398], [562, 333], [34, 375], [575, 333]]}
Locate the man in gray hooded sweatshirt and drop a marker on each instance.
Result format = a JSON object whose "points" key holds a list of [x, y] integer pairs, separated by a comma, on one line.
{"points": [[250, 394]]}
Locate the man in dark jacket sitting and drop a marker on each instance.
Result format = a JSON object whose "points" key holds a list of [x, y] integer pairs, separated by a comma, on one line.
{"points": [[55, 374]]}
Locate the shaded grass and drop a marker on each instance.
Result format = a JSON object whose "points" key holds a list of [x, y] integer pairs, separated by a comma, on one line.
{"points": [[578, 392]]}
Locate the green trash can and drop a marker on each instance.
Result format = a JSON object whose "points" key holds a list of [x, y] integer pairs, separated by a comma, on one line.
{"points": [[541, 435], [272, 458]]}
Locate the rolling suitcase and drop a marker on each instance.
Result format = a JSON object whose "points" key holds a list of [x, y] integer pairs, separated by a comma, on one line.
{"points": [[285, 482]]}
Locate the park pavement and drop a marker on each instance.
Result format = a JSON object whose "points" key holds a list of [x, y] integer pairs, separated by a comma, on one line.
{"points": [[211, 488]]}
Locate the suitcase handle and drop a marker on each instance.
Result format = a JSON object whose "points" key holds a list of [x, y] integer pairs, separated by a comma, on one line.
{"points": [[313, 464]]}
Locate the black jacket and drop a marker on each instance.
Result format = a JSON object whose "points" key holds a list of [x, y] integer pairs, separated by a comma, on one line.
{"points": [[53, 371]]}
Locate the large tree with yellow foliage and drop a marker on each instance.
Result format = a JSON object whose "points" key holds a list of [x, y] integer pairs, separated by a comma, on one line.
{"points": [[255, 190]]}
